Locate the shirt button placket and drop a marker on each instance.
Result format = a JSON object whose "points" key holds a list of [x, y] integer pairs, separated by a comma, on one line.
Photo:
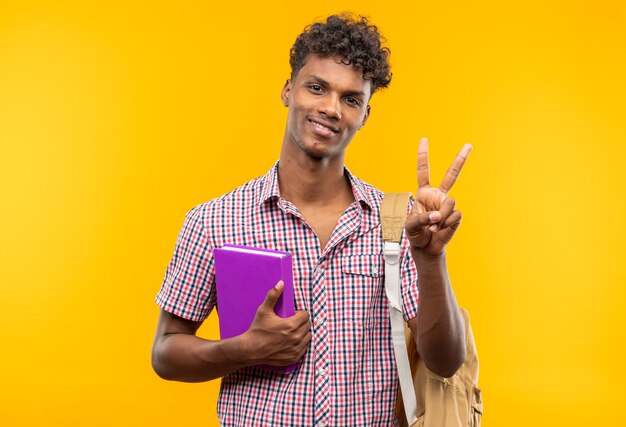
{"points": [[322, 351]]}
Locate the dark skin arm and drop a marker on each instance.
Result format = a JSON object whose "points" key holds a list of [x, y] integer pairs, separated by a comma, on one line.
{"points": [[438, 328], [178, 354]]}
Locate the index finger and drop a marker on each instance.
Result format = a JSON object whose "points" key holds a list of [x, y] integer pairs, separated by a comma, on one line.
{"points": [[453, 172], [423, 170]]}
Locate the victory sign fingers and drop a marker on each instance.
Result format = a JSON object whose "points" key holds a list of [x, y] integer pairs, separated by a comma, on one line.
{"points": [[430, 200]]}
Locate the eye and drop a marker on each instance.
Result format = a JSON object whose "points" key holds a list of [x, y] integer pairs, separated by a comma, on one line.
{"points": [[353, 101], [315, 88]]}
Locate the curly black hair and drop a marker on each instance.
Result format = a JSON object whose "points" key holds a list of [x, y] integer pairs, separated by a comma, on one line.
{"points": [[354, 40]]}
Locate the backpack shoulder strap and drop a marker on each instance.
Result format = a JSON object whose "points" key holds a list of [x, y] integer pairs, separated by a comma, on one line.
{"points": [[393, 215], [393, 212]]}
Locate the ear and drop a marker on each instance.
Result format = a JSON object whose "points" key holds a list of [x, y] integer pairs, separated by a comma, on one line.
{"points": [[284, 95], [367, 115]]}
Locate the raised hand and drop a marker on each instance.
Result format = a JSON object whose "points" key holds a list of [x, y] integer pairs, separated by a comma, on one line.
{"points": [[274, 340], [433, 219]]}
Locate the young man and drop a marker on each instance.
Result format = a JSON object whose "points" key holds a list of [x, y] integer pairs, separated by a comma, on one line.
{"points": [[309, 204]]}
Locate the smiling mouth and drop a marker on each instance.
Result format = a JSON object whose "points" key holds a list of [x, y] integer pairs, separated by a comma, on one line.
{"points": [[322, 128]]}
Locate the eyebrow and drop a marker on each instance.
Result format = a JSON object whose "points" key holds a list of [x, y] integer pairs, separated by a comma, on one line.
{"points": [[323, 82]]}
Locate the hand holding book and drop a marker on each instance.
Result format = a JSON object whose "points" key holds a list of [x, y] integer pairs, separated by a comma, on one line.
{"points": [[255, 302], [273, 340]]}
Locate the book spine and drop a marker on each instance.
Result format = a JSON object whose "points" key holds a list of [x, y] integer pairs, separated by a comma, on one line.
{"points": [[288, 301], [285, 305]]}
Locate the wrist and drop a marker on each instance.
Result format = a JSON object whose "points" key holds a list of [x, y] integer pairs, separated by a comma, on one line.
{"points": [[426, 259], [236, 350]]}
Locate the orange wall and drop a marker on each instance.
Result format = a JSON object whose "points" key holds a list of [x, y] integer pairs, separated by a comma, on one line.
{"points": [[117, 118]]}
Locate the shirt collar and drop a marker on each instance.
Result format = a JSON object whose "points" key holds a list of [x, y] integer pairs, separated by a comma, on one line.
{"points": [[270, 187], [360, 194]]}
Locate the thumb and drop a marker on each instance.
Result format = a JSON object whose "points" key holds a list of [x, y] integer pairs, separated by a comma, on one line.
{"points": [[272, 296], [417, 227]]}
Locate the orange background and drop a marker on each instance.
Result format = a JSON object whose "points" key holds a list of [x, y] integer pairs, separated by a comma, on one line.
{"points": [[118, 117]]}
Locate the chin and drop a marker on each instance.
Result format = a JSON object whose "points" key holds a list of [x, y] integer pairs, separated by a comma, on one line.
{"points": [[320, 151]]}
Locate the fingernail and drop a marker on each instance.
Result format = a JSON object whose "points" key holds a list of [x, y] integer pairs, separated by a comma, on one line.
{"points": [[278, 285], [433, 216], [433, 227]]}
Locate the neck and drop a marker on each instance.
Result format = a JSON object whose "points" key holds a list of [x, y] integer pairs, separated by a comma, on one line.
{"points": [[307, 181]]}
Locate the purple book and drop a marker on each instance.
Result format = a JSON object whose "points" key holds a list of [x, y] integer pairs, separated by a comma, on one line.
{"points": [[243, 277]]}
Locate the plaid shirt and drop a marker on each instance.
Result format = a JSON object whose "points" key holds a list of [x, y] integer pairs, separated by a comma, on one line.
{"points": [[348, 375]]}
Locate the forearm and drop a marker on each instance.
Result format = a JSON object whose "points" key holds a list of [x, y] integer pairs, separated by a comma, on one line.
{"points": [[189, 358], [439, 330]]}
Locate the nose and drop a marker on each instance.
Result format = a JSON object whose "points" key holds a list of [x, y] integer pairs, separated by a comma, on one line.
{"points": [[330, 105]]}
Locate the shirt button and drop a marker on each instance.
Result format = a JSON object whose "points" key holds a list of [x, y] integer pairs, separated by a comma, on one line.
{"points": [[321, 372]]}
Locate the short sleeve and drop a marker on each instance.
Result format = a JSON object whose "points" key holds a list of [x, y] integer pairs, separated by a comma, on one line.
{"points": [[409, 280], [188, 289], [409, 284]]}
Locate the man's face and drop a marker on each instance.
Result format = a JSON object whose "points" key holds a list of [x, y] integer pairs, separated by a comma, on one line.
{"points": [[327, 103]]}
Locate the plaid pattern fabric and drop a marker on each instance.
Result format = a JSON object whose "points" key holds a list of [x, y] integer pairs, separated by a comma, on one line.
{"points": [[348, 375]]}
